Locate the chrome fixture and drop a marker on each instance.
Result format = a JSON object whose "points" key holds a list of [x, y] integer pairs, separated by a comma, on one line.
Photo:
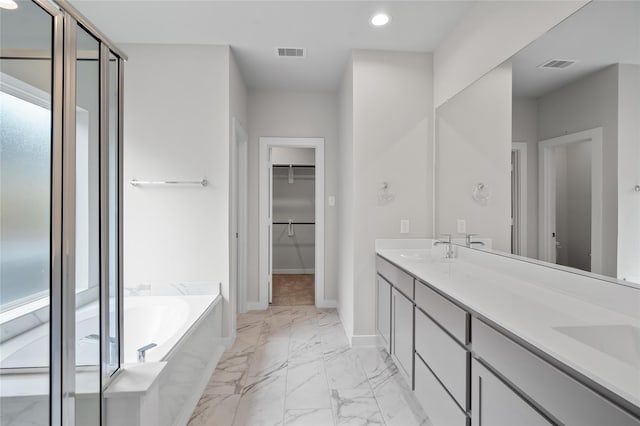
{"points": [[142, 352], [470, 242], [136, 182], [449, 254]]}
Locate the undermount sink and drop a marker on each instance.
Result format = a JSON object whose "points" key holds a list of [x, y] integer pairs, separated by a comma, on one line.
{"points": [[619, 341]]}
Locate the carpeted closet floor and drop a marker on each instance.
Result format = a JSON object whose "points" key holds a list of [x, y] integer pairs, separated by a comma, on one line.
{"points": [[291, 290]]}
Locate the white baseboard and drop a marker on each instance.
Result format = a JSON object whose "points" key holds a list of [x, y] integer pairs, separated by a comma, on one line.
{"points": [[294, 271], [256, 306], [348, 332], [364, 341], [325, 304]]}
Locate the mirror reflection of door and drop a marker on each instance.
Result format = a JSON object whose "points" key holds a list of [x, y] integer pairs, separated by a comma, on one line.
{"points": [[573, 205]]}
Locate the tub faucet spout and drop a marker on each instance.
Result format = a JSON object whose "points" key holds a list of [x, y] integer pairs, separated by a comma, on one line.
{"points": [[142, 352]]}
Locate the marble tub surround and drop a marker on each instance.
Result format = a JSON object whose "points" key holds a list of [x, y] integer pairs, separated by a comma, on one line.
{"points": [[294, 366], [537, 304], [172, 289]]}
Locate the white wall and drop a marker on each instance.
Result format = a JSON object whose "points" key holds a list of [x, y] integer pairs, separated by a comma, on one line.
{"points": [[585, 104], [293, 114], [474, 146], [628, 172], [390, 141], [176, 126], [525, 129], [489, 34], [345, 202]]}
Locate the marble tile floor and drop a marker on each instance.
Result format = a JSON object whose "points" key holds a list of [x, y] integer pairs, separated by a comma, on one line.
{"points": [[292, 365]]}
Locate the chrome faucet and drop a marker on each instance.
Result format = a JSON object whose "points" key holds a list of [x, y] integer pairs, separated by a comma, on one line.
{"points": [[470, 242], [142, 352], [449, 254]]}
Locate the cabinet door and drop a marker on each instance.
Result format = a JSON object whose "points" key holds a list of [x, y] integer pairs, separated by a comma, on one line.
{"points": [[383, 312], [495, 404], [402, 333]]}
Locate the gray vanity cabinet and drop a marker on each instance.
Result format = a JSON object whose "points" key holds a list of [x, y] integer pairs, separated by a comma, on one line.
{"points": [[563, 399], [496, 404], [394, 314], [383, 312], [402, 333], [466, 370], [441, 357]]}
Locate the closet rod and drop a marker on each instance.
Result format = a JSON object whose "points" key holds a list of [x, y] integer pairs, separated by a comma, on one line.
{"points": [[283, 166], [294, 223]]}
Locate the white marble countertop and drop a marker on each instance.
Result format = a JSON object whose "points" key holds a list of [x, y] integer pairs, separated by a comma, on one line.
{"points": [[532, 301]]}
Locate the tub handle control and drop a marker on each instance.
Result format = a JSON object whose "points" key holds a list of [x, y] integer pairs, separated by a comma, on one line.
{"points": [[142, 352]]}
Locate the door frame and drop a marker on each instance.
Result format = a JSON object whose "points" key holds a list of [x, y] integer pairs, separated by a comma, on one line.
{"points": [[547, 193], [238, 222], [520, 148], [266, 143]]}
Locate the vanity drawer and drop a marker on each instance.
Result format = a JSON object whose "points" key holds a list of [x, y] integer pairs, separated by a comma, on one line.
{"points": [[447, 359], [445, 313], [439, 406], [398, 278], [569, 401]]}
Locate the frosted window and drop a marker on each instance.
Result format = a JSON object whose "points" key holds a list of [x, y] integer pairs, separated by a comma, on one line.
{"points": [[25, 186]]}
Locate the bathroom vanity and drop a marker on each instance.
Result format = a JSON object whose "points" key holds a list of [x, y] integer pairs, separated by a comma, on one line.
{"points": [[492, 340]]}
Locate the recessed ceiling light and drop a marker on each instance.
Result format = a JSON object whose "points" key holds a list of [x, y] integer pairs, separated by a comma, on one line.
{"points": [[8, 4], [380, 19]]}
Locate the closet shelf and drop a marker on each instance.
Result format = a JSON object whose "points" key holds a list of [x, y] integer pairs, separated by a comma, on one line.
{"points": [[294, 223]]}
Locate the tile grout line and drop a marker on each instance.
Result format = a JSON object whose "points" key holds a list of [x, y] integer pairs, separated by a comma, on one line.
{"points": [[326, 377], [372, 391]]}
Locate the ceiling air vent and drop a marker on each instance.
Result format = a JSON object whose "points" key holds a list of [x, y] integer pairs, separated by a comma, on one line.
{"points": [[291, 52], [557, 64]]}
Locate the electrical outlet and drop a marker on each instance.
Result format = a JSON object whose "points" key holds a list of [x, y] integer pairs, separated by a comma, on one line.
{"points": [[404, 226], [462, 226]]}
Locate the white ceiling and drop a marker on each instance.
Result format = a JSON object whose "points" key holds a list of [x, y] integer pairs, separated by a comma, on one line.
{"points": [[600, 34], [327, 29]]}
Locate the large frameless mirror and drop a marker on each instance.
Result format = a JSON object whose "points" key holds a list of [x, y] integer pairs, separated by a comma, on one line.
{"points": [[541, 156]]}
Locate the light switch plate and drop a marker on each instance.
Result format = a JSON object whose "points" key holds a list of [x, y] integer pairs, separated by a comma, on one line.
{"points": [[404, 226], [462, 226], [332, 200]]}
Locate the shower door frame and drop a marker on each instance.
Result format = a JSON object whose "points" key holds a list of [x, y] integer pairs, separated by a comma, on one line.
{"points": [[62, 292]]}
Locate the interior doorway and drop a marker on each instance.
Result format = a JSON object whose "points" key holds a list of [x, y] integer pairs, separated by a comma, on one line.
{"points": [[571, 200], [293, 232], [292, 221]]}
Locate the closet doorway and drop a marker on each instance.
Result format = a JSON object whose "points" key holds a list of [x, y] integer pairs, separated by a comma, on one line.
{"points": [[292, 218]]}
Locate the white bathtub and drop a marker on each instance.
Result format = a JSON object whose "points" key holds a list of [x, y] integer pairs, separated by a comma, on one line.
{"points": [[187, 330], [148, 319], [166, 388], [163, 320]]}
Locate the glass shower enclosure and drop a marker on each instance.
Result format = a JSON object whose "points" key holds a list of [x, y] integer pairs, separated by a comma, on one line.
{"points": [[60, 208]]}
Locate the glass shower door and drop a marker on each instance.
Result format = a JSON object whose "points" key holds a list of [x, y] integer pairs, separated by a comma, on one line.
{"points": [[29, 235]]}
